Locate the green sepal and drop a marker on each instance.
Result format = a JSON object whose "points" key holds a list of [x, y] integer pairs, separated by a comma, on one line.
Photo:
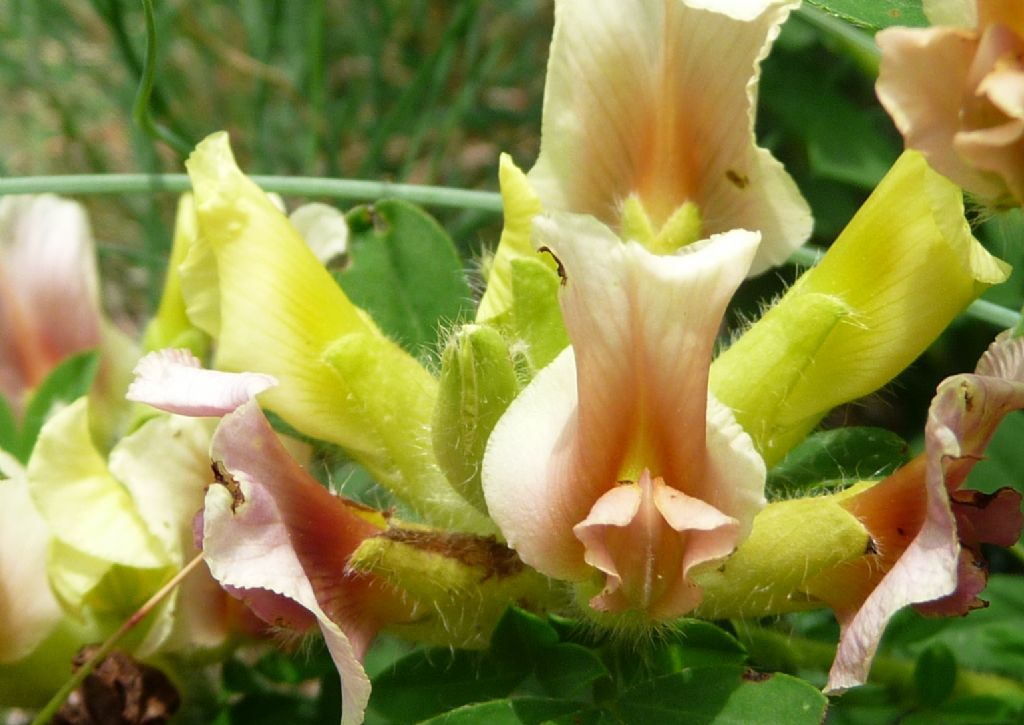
{"points": [[780, 348], [478, 381], [790, 543], [463, 583]]}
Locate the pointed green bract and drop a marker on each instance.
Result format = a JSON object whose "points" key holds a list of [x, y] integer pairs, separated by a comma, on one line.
{"points": [[340, 378], [534, 322], [782, 347], [478, 381], [521, 205], [462, 584], [899, 273], [171, 327]]}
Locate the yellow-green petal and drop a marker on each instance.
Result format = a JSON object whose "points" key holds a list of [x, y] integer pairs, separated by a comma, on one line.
{"points": [[790, 542], [281, 313], [903, 268]]}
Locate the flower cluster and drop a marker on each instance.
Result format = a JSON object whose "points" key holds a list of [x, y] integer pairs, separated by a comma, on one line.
{"points": [[588, 446]]}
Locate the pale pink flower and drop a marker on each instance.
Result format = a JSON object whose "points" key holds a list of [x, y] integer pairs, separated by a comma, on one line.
{"points": [[49, 301], [956, 93], [615, 463], [927, 531]]}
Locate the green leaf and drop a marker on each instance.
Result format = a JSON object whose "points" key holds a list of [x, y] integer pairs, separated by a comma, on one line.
{"points": [[969, 711], [876, 14], [515, 711], [724, 695], [497, 712], [403, 269], [696, 643], [989, 640], [841, 454], [66, 383], [8, 427], [935, 674], [568, 670], [429, 682], [521, 636]]}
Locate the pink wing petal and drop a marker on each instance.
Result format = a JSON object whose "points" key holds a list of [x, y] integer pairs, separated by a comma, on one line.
{"points": [[273, 527], [174, 381], [962, 419]]}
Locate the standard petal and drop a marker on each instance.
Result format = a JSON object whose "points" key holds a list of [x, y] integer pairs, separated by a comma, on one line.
{"points": [[631, 394], [657, 99], [175, 381], [49, 302]]}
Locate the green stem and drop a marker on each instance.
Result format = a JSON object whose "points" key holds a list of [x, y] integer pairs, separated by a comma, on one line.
{"points": [[859, 43], [789, 652], [1018, 551], [46, 714], [294, 185], [140, 110]]}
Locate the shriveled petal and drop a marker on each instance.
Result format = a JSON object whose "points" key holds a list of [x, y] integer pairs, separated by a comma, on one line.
{"points": [[646, 537], [902, 269], [658, 99], [962, 419], [175, 381], [273, 527], [49, 303], [632, 393]]}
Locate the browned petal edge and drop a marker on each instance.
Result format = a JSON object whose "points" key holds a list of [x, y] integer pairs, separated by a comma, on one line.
{"points": [[481, 552]]}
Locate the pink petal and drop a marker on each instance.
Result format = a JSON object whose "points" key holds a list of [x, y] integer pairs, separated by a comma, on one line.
{"points": [[174, 381], [630, 394], [962, 418], [658, 99], [49, 303], [921, 83], [273, 527]]}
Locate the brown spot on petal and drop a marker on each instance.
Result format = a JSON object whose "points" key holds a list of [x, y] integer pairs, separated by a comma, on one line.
{"points": [[755, 676], [482, 552], [120, 690], [223, 476], [558, 263], [740, 181]]}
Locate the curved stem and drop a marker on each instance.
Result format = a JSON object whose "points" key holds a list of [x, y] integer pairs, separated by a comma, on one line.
{"points": [[296, 185], [140, 109], [46, 714]]}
